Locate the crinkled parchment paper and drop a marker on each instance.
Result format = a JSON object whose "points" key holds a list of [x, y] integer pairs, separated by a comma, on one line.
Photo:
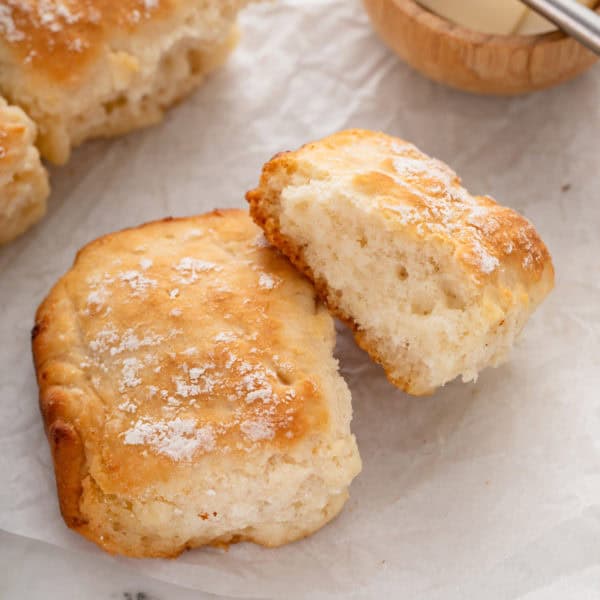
{"points": [[487, 490]]}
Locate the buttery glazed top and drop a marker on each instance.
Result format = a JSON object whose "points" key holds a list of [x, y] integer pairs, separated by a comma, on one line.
{"points": [[178, 339], [59, 38], [422, 195]]}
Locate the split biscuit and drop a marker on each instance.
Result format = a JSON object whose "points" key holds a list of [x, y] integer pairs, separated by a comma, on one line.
{"points": [[436, 282]]}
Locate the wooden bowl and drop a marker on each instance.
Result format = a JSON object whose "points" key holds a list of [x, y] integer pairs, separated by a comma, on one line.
{"points": [[473, 61]]}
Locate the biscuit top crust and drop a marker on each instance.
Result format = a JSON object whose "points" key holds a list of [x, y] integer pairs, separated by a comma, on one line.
{"points": [[418, 195], [59, 38], [180, 339], [17, 135]]}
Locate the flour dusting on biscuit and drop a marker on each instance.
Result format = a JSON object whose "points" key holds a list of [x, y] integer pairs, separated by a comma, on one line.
{"points": [[437, 283], [86, 69], [228, 385]]}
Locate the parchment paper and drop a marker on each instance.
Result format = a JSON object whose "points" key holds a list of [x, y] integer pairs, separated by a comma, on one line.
{"points": [[487, 490]]}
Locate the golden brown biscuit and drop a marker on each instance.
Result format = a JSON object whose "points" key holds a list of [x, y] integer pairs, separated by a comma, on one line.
{"points": [[189, 391], [23, 180], [435, 282], [91, 68]]}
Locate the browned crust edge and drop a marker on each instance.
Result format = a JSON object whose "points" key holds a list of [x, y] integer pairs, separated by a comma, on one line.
{"points": [[270, 226], [217, 212], [65, 444]]}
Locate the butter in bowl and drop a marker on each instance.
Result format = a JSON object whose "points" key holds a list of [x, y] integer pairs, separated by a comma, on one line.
{"points": [[482, 46]]}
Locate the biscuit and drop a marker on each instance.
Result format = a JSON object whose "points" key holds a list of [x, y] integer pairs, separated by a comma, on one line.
{"points": [[87, 69], [435, 282], [23, 180], [189, 391]]}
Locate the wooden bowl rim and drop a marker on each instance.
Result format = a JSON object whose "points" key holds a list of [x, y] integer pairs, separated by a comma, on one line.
{"points": [[440, 24]]}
